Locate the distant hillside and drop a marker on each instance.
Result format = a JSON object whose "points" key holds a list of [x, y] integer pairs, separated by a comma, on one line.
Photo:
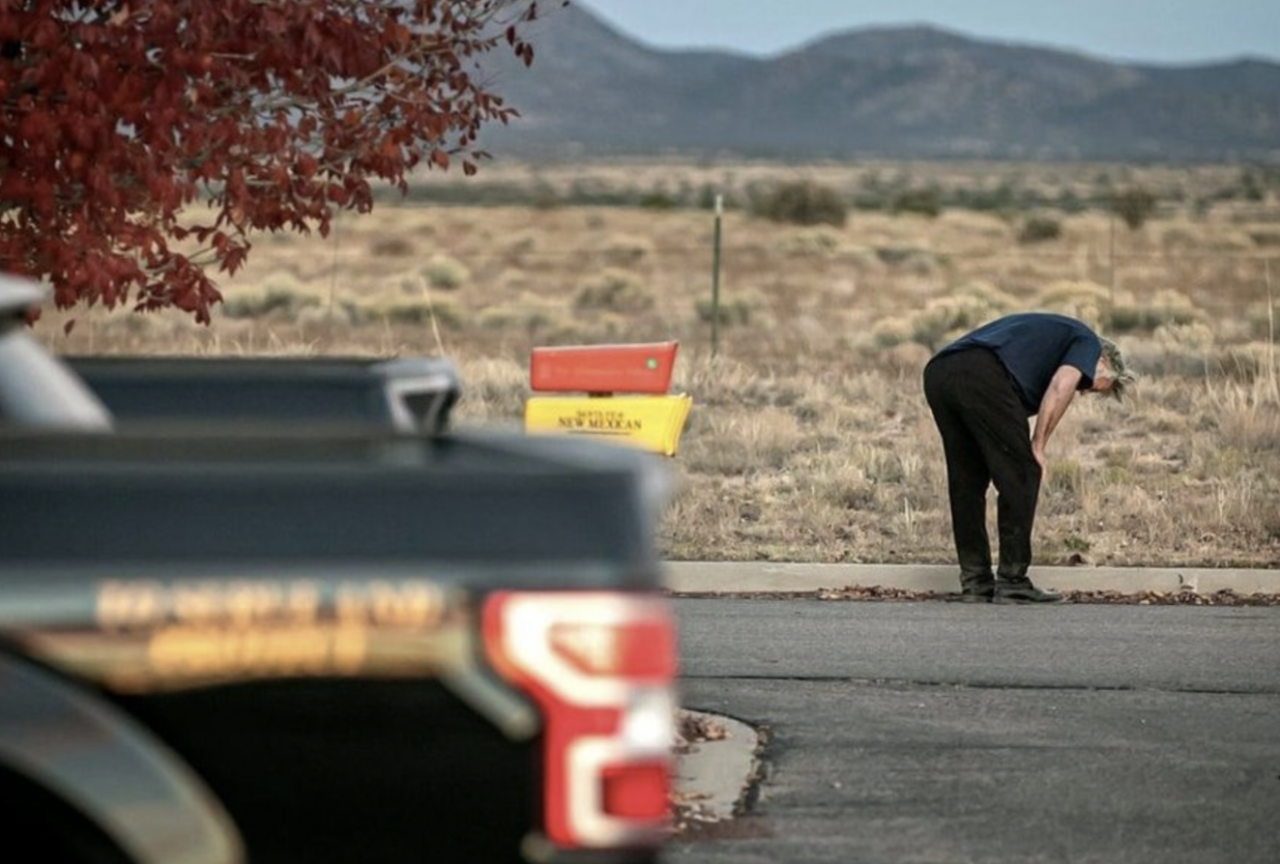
{"points": [[914, 92]]}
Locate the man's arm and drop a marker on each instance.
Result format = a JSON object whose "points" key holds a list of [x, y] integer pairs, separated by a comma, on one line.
{"points": [[1062, 389]]}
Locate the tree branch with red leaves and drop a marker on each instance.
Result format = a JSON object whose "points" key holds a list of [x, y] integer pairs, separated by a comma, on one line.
{"points": [[117, 117]]}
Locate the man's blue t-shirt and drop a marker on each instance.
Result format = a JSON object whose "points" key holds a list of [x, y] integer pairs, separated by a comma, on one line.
{"points": [[1032, 346]]}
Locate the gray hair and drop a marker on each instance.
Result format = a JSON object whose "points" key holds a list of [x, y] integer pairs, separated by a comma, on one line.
{"points": [[1122, 376]]}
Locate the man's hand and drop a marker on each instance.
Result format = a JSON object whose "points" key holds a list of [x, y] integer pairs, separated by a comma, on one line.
{"points": [[1038, 452], [1062, 389]]}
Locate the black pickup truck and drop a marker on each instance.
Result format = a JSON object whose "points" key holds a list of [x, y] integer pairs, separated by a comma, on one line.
{"points": [[321, 643]]}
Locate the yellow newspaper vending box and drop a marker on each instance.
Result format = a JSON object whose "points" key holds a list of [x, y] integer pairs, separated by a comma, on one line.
{"points": [[623, 394]]}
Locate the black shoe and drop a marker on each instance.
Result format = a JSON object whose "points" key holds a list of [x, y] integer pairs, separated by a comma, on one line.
{"points": [[967, 596], [974, 589], [1020, 590]]}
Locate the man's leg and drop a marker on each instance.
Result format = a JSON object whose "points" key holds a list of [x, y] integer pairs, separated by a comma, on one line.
{"points": [[1016, 476], [967, 485], [1017, 492], [1017, 482], [967, 478]]}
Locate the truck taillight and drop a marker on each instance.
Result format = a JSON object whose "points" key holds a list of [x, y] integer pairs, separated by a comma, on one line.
{"points": [[601, 667]]}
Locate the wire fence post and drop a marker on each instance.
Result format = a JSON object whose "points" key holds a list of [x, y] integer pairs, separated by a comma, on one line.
{"points": [[715, 279], [1271, 332], [1111, 268]]}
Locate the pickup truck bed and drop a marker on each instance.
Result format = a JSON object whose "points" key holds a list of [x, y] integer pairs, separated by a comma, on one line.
{"points": [[322, 642], [408, 394], [468, 507]]}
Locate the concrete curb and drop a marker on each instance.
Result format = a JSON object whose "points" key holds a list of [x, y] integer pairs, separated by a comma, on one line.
{"points": [[713, 776], [721, 577]]}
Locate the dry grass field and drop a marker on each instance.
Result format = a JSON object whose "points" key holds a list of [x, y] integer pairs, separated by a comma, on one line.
{"points": [[809, 438]]}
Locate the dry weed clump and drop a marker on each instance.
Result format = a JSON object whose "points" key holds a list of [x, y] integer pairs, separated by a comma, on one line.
{"points": [[810, 242], [446, 273], [809, 438], [614, 290], [1246, 415], [626, 250], [494, 390], [1079, 298]]}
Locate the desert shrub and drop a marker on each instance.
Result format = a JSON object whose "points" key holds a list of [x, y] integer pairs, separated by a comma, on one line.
{"points": [[278, 290], [802, 202], [1262, 320], [658, 199], [944, 319], [340, 314], [1252, 362], [735, 310], [529, 312], [847, 488], [1188, 351], [1063, 485], [1265, 238], [1246, 416], [1252, 187], [810, 242], [968, 306], [1193, 336], [906, 360], [392, 246], [918, 202], [543, 196], [1165, 307], [596, 192], [1070, 202], [497, 318], [445, 273], [882, 464], [520, 243], [909, 259], [267, 302], [888, 332], [413, 313], [496, 389], [1000, 199], [1125, 318], [1134, 205], [1230, 242], [614, 290], [625, 249], [1081, 299], [1179, 237], [1039, 229], [766, 439], [986, 292], [1182, 350]]}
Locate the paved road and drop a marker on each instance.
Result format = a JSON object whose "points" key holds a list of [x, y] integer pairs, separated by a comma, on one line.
{"points": [[937, 732]]}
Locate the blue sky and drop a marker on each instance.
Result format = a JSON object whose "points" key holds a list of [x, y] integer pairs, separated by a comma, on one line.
{"points": [[1157, 31]]}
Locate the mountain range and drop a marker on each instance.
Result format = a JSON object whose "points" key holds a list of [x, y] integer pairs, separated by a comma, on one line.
{"points": [[913, 92]]}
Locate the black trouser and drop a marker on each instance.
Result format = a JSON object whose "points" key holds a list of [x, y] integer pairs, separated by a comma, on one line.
{"points": [[986, 439]]}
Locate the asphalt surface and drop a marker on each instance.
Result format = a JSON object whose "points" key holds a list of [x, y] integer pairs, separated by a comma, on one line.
{"points": [[1129, 738]]}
